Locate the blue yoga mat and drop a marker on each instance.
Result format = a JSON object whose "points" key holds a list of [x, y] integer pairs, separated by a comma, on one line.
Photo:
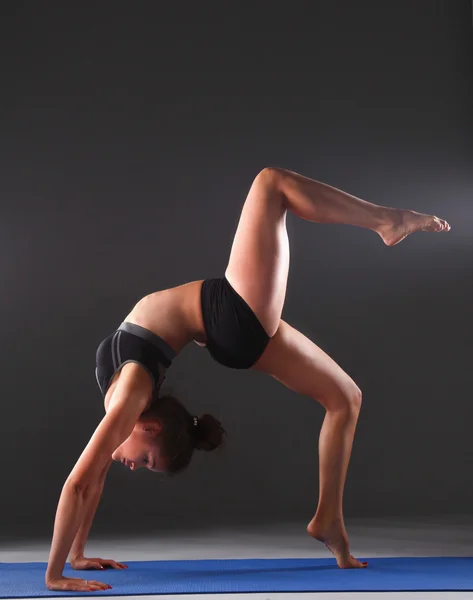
{"points": [[26, 580]]}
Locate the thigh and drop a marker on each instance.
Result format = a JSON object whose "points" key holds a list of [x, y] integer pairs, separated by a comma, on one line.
{"points": [[259, 259], [294, 360]]}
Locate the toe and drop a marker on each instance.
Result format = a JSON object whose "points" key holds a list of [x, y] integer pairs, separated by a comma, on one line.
{"points": [[356, 563], [445, 225]]}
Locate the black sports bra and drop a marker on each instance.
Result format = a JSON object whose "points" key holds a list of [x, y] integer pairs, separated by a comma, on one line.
{"points": [[132, 343]]}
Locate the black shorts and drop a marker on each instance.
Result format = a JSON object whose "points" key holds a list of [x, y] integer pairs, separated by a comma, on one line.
{"points": [[235, 337]]}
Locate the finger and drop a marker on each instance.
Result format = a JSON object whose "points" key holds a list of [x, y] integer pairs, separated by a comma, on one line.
{"points": [[98, 588], [98, 585], [116, 565]]}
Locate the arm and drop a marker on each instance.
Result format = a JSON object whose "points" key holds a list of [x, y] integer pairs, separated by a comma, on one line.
{"points": [[130, 398], [77, 550], [68, 516]]}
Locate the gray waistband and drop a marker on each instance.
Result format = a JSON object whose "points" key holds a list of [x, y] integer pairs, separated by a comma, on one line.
{"points": [[148, 335]]}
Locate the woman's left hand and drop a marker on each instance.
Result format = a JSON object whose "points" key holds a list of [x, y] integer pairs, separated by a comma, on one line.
{"points": [[83, 563]]}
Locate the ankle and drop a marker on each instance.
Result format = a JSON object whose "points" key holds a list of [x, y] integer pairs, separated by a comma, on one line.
{"points": [[325, 520], [383, 217], [390, 217]]}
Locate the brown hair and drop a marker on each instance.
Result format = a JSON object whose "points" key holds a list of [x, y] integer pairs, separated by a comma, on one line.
{"points": [[180, 436]]}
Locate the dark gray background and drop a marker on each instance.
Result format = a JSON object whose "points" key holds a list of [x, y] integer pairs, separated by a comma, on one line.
{"points": [[130, 134]]}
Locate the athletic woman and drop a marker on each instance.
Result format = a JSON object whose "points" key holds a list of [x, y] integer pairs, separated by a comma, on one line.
{"points": [[238, 319]]}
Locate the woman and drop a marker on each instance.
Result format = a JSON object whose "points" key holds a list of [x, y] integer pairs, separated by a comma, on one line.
{"points": [[238, 319]]}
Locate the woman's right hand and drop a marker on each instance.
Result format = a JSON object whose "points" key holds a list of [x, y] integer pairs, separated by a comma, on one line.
{"points": [[76, 584]]}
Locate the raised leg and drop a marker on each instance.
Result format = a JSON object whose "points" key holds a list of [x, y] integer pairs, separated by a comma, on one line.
{"points": [[322, 203], [259, 259]]}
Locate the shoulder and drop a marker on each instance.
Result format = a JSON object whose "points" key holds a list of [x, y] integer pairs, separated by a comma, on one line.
{"points": [[132, 380]]}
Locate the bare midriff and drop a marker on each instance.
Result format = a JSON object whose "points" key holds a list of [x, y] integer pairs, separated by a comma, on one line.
{"points": [[175, 314]]}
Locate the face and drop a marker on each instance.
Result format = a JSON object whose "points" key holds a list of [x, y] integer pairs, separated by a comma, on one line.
{"points": [[140, 450]]}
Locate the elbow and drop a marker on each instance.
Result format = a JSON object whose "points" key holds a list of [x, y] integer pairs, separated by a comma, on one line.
{"points": [[76, 486]]}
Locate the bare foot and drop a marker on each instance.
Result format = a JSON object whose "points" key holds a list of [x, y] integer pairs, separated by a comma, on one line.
{"points": [[335, 538], [400, 223]]}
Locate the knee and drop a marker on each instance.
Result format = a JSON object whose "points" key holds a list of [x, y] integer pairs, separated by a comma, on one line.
{"points": [[355, 399], [347, 401], [352, 399], [270, 177]]}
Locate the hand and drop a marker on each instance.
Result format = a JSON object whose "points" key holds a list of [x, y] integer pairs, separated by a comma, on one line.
{"points": [[81, 563], [76, 584]]}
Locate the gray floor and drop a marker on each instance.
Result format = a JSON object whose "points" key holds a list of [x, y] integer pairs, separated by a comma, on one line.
{"points": [[447, 536]]}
